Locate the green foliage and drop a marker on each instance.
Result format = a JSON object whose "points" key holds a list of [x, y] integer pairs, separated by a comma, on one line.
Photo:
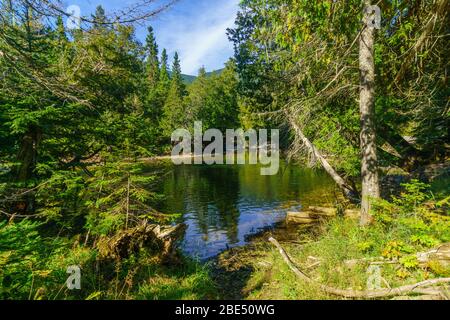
{"points": [[299, 56], [118, 196], [213, 99], [174, 112], [34, 267], [410, 215]]}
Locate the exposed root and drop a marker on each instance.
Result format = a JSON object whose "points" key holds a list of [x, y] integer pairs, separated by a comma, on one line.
{"points": [[159, 239]]}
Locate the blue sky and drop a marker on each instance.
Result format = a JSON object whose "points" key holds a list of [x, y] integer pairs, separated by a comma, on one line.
{"points": [[194, 28]]}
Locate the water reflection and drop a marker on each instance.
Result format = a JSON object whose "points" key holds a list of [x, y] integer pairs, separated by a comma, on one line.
{"points": [[224, 204]]}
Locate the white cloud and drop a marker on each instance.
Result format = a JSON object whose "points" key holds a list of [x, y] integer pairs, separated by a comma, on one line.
{"points": [[198, 34]]}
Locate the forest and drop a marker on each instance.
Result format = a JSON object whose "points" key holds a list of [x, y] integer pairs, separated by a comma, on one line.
{"points": [[86, 119]]}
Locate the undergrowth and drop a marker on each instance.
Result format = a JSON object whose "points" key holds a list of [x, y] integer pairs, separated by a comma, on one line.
{"points": [[413, 222]]}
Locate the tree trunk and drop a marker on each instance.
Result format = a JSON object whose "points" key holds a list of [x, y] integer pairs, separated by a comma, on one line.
{"points": [[369, 165], [28, 153], [349, 191]]}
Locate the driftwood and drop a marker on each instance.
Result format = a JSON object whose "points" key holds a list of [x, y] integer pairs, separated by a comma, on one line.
{"points": [[440, 254], [422, 297], [314, 214], [159, 239], [368, 294], [301, 218]]}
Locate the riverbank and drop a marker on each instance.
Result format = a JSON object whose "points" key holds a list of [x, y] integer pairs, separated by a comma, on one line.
{"points": [[339, 254]]}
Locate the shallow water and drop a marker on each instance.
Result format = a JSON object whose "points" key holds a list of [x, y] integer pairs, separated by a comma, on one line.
{"points": [[222, 204]]}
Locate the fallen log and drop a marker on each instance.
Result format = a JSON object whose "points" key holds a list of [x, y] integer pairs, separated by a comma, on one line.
{"points": [[422, 297], [346, 293], [314, 214], [160, 239], [440, 254], [325, 211], [301, 217]]}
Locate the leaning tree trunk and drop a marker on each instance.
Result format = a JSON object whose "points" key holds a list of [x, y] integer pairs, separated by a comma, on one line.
{"points": [[348, 190], [369, 163]]}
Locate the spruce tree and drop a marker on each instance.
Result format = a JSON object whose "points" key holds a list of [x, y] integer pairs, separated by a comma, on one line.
{"points": [[164, 76], [152, 62], [99, 18], [174, 115], [177, 78], [61, 32]]}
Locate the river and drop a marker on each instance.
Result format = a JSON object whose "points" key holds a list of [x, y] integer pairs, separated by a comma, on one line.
{"points": [[223, 205]]}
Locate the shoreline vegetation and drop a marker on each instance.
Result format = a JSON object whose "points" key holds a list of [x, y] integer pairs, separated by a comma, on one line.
{"points": [[334, 258], [331, 250], [361, 96]]}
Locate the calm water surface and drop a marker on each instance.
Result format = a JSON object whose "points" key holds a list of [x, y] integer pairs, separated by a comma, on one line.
{"points": [[222, 205]]}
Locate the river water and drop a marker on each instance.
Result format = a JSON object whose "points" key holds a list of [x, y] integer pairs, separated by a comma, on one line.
{"points": [[224, 204]]}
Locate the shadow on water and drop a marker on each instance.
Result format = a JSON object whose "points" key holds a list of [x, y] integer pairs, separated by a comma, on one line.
{"points": [[224, 205]]}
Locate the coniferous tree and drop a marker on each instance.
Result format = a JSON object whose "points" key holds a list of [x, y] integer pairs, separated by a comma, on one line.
{"points": [[154, 99], [177, 78], [164, 77], [174, 115], [197, 95], [99, 18], [152, 62]]}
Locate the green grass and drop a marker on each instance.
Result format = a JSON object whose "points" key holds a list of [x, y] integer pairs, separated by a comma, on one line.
{"points": [[413, 222], [34, 267], [342, 240]]}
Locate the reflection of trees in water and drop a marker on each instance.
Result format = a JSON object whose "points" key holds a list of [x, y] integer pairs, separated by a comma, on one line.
{"points": [[291, 183], [224, 182], [210, 194]]}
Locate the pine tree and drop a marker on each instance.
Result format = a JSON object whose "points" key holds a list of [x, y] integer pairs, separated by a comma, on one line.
{"points": [[61, 32], [164, 76], [174, 115], [177, 79], [154, 100], [198, 92], [152, 62], [99, 18]]}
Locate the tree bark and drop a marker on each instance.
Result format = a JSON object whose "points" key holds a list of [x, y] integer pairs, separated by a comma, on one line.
{"points": [[369, 162], [28, 153]]}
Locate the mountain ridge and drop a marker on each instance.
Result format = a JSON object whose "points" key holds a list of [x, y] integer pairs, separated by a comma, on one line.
{"points": [[188, 79]]}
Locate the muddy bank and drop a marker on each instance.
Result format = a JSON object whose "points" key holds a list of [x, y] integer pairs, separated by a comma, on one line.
{"points": [[232, 269]]}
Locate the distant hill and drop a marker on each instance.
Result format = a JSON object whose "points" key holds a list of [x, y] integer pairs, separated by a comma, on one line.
{"points": [[188, 79]]}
